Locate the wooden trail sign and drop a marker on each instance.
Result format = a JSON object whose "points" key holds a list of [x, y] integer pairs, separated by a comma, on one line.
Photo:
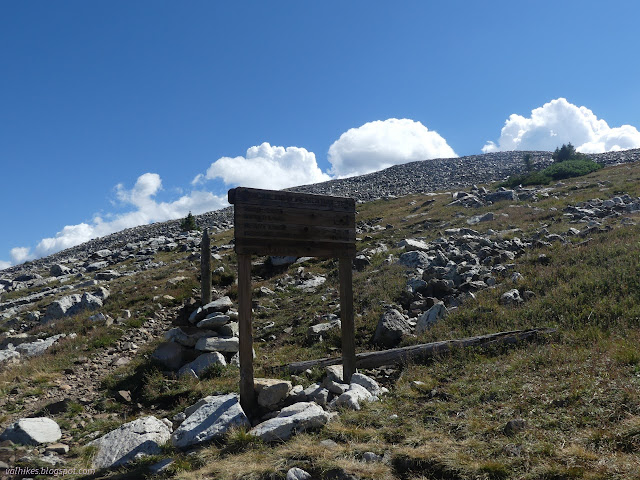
{"points": [[270, 222]]}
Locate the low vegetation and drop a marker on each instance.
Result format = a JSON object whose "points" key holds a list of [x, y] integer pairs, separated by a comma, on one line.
{"points": [[567, 164]]}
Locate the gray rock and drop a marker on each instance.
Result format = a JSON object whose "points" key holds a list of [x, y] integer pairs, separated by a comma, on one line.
{"points": [[317, 393], [218, 344], [58, 270], [169, 354], [410, 245], [311, 284], [202, 363], [299, 417], [352, 398], [325, 327], [107, 275], [415, 259], [481, 218], [38, 347], [367, 382], [360, 262], [90, 302], [334, 373], [514, 426], [392, 326], [92, 267], [512, 297], [214, 320], [502, 195], [271, 392], [143, 436], [210, 421], [296, 473], [430, 317], [32, 431], [222, 304], [278, 261], [59, 308], [188, 338], [9, 354]]}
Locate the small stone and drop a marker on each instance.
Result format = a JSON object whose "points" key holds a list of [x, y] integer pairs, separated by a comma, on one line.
{"points": [[514, 426], [296, 473]]}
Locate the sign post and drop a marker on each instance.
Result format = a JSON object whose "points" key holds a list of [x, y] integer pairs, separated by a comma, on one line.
{"points": [[270, 222]]}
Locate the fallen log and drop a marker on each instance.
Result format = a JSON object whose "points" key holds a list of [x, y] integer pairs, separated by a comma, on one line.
{"points": [[417, 353]]}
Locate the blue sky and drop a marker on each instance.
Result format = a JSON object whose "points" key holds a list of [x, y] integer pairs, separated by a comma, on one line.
{"points": [[116, 113]]}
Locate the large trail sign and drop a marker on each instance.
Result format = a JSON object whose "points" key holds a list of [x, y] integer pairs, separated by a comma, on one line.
{"points": [[270, 222]]}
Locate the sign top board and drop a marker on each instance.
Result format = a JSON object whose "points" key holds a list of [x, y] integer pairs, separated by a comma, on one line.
{"points": [[271, 222]]}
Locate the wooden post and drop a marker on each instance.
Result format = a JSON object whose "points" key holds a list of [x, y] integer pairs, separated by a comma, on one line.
{"points": [[346, 319], [205, 267], [247, 393]]}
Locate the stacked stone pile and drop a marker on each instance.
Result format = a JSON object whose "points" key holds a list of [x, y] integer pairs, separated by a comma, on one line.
{"points": [[209, 337]]}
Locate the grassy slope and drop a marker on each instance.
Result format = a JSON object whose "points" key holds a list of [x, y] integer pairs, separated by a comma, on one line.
{"points": [[578, 392]]}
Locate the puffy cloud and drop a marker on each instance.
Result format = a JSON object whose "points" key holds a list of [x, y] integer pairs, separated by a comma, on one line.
{"points": [[383, 143], [267, 166], [20, 254], [147, 211], [559, 122]]}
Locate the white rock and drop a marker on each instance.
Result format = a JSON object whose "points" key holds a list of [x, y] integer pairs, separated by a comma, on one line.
{"points": [[431, 317], [187, 339], [298, 417], [367, 382], [126, 443], [210, 421], [32, 431], [271, 391], [353, 397], [296, 473], [218, 344], [38, 347], [200, 364], [214, 320]]}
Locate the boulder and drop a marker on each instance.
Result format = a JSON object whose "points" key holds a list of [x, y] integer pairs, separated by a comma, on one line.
{"points": [[512, 297], [187, 336], [202, 363], [360, 262], [89, 302], [392, 326], [38, 347], [271, 392], [32, 431], [299, 417], [430, 317], [210, 421], [410, 245], [61, 307], [58, 270], [169, 354], [325, 327], [296, 473], [415, 259], [218, 344], [501, 195], [143, 436], [367, 382], [352, 398], [214, 320]]}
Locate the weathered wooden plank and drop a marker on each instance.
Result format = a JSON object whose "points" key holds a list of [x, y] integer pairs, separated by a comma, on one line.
{"points": [[346, 318], [244, 229], [294, 216], [421, 352], [245, 352], [277, 198], [297, 248]]}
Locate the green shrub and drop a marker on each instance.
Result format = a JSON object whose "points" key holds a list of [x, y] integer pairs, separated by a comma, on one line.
{"points": [[557, 171]]}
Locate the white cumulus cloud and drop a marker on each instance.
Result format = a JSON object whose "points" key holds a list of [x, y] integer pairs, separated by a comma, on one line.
{"points": [[267, 166], [383, 143], [147, 210], [560, 122]]}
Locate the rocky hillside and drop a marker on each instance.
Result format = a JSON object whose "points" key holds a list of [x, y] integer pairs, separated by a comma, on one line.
{"points": [[110, 363], [415, 177]]}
